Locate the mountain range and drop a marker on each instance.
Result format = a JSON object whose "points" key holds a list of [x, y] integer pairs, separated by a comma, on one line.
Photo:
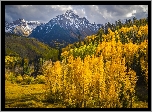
{"points": [[64, 29], [21, 27]]}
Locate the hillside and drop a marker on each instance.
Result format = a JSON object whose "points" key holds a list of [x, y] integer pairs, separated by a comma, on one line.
{"points": [[28, 48]]}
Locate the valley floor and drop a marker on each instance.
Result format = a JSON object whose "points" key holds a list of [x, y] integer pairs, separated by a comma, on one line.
{"points": [[26, 96], [32, 96]]}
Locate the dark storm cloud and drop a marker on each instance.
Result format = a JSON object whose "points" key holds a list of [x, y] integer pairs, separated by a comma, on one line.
{"points": [[94, 13], [38, 13], [116, 12]]}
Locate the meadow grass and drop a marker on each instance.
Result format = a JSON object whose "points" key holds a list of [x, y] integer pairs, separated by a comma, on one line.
{"points": [[33, 96], [26, 96]]}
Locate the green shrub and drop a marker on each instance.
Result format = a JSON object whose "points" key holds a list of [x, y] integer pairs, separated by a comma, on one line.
{"points": [[19, 79], [27, 80], [40, 79], [10, 77]]}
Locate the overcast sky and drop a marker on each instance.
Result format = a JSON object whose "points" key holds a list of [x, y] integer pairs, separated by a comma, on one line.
{"points": [[94, 13]]}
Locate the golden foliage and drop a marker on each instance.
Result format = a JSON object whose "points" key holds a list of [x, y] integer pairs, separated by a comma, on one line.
{"points": [[102, 79]]}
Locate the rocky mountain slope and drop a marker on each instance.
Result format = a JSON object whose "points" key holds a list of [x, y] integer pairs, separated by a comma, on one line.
{"points": [[21, 27], [65, 28]]}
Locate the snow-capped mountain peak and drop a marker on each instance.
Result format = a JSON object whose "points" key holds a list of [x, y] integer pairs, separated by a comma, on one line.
{"points": [[67, 27], [69, 13], [22, 26]]}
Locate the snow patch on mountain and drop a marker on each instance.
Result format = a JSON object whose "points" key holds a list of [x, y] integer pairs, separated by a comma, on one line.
{"points": [[66, 27], [22, 25]]}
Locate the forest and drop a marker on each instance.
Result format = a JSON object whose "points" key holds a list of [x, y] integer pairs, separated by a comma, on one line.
{"points": [[106, 70]]}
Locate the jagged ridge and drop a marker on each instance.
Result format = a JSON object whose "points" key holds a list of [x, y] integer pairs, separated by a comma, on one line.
{"points": [[21, 27], [65, 28]]}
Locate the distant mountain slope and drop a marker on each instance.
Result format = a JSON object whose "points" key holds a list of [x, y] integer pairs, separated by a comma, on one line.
{"points": [[21, 27], [28, 48], [65, 28]]}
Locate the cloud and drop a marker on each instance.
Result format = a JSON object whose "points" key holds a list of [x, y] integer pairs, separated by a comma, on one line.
{"points": [[131, 13], [94, 13], [62, 8]]}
